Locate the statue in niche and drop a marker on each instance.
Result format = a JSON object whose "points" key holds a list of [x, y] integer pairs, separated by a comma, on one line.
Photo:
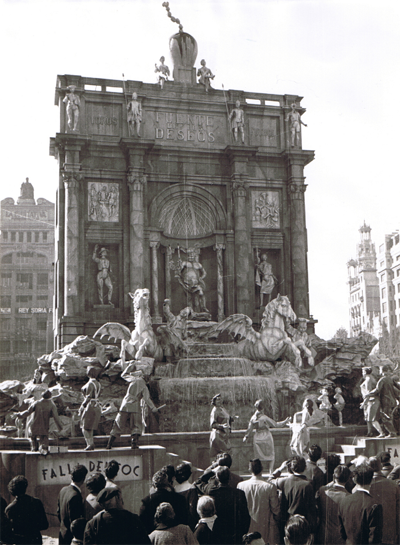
{"points": [[302, 340], [73, 103], [205, 75], [295, 121], [237, 121], [134, 108], [191, 275], [265, 278], [26, 190], [266, 210], [103, 276], [163, 72]]}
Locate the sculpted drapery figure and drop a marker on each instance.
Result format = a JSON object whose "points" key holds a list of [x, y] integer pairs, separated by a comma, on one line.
{"points": [[265, 278], [205, 75], [295, 121], [237, 121], [26, 190], [191, 275], [103, 276], [134, 108], [163, 72], [73, 103]]}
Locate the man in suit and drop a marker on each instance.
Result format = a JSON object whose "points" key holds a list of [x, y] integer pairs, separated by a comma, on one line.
{"points": [[70, 504], [208, 481], [298, 497], [328, 498], [164, 493], [230, 508], [387, 493], [313, 473], [360, 517]]}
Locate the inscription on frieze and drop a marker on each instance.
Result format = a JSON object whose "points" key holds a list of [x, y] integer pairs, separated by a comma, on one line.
{"points": [[103, 202], [265, 209], [263, 131], [103, 119], [183, 127]]}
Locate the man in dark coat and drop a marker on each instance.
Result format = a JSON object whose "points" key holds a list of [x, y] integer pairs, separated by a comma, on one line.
{"points": [[164, 493], [114, 525], [328, 498], [387, 493], [25, 513], [360, 517], [70, 504], [298, 497], [230, 508], [313, 473], [208, 481]]}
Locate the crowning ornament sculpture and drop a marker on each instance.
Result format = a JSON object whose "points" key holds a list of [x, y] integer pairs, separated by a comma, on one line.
{"points": [[131, 342]]}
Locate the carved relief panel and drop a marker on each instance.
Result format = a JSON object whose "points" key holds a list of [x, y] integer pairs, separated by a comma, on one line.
{"points": [[103, 202], [265, 208]]}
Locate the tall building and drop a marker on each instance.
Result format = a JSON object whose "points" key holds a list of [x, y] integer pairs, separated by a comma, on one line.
{"points": [[364, 311], [27, 257], [389, 280]]}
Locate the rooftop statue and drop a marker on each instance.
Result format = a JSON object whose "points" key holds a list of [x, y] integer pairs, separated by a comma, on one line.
{"points": [[134, 108], [205, 75], [73, 103], [237, 121], [163, 72], [295, 121], [131, 342], [272, 342], [26, 190]]}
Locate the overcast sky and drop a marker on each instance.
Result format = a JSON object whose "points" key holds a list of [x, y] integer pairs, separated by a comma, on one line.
{"points": [[341, 56]]}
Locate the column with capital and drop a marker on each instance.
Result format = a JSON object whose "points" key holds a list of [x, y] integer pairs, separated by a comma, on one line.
{"points": [[71, 244], [298, 236], [220, 280], [136, 184], [168, 255], [154, 245], [242, 245]]}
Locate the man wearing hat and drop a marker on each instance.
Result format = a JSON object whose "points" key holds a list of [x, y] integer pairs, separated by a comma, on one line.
{"points": [[38, 430], [114, 525]]}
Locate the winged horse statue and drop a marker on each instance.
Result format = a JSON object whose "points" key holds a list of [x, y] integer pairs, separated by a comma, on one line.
{"points": [[142, 340], [272, 341]]}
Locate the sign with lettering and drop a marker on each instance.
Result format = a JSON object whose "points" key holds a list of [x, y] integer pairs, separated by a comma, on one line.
{"points": [[394, 451], [5, 311], [103, 119], [34, 310], [198, 129], [23, 215], [57, 469]]}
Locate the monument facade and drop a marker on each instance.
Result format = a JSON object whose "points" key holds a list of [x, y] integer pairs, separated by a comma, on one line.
{"points": [[180, 188]]}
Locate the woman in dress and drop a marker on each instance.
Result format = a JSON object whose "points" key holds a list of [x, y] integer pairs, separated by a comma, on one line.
{"points": [[263, 441], [90, 410], [220, 423], [311, 416], [371, 404]]}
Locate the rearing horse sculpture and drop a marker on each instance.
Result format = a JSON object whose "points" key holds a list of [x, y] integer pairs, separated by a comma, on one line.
{"points": [[272, 342], [142, 337]]}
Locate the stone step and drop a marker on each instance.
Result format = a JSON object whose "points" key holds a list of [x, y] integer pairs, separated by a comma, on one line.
{"points": [[222, 350]]}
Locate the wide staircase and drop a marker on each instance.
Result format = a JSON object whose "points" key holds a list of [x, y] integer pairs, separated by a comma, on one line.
{"points": [[349, 448]]}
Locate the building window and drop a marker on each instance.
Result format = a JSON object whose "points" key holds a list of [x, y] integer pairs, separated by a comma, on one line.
{"points": [[29, 236], [5, 236], [24, 280], [398, 272], [41, 347], [6, 259], [37, 236], [42, 300], [21, 236], [23, 347], [13, 236], [383, 277], [398, 288], [41, 325], [5, 326], [44, 236], [23, 298], [24, 257], [6, 279], [383, 293], [42, 280], [5, 301], [5, 347], [381, 264], [384, 307]]}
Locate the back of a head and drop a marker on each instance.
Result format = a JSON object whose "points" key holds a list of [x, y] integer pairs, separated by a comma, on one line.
{"points": [[165, 514], [170, 471], [254, 538], [332, 461], [78, 528], [375, 463], [222, 474], [256, 466], [315, 453], [206, 507], [18, 485], [225, 459], [160, 479], [341, 474], [297, 531], [297, 464], [95, 483], [78, 473], [384, 457], [183, 472], [112, 469], [363, 474]]}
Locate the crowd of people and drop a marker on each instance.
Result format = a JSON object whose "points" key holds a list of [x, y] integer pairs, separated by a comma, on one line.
{"points": [[299, 504]]}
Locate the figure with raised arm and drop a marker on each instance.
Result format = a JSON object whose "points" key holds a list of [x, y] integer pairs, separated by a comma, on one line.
{"points": [[237, 121], [73, 103], [191, 275], [311, 416], [134, 108], [294, 119], [205, 75], [103, 276]]}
